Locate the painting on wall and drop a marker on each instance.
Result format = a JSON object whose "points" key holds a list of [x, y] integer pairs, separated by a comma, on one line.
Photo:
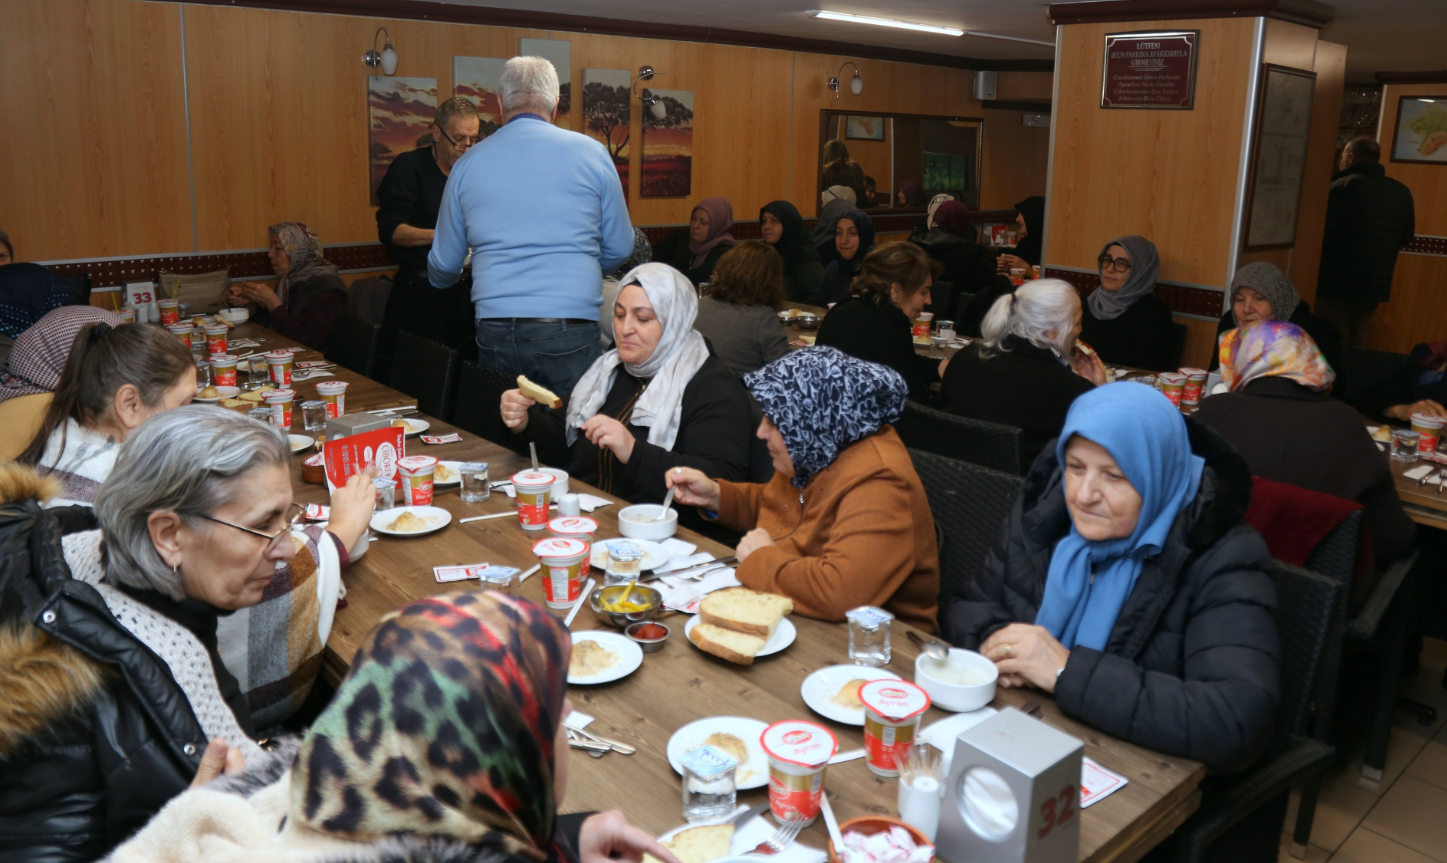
{"points": [[606, 104], [857, 128], [399, 111], [479, 81], [1421, 134], [668, 146], [945, 171], [560, 53]]}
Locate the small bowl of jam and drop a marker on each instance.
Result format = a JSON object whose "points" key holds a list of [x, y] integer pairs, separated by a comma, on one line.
{"points": [[648, 635]]}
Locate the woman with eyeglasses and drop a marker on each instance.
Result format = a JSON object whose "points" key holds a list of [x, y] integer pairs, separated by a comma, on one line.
{"points": [[117, 697], [1124, 321]]}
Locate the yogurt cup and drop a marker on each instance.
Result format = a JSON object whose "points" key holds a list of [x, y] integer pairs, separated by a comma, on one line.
{"points": [[280, 402], [534, 492], [216, 338], [562, 560], [334, 393], [1173, 386], [182, 332], [280, 362], [799, 753], [892, 710], [127, 316], [170, 311], [415, 472], [578, 527], [223, 369], [922, 324], [1430, 429], [1194, 387]]}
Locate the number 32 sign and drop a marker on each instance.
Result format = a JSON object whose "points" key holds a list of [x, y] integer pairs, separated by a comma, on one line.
{"points": [[1056, 811]]}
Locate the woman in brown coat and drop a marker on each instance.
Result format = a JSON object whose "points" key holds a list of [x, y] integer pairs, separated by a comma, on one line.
{"points": [[844, 522]]}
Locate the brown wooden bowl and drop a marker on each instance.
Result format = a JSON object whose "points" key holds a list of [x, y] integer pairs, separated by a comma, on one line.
{"points": [[872, 824]]}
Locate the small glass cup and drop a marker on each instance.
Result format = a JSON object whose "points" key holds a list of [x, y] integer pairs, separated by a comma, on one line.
{"points": [[709, 790], [474, 482], [256, 373], [869, 636], [502, 579], [946, 330], [1404, 444], [261, 415], [386, 492], [314, 415], [203, 372]]}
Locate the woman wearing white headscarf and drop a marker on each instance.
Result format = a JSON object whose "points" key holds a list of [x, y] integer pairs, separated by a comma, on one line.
{"points": [[658, 400], [1123, 319]]}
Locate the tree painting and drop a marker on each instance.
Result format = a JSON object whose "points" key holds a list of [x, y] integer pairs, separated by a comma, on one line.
{"points": [[399, 111], [668, 145], [606, 104], [479, 81], [559, 52]]}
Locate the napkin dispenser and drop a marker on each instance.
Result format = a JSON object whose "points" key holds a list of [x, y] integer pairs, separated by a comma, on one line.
{"points": [[1012, 794], [350, 424]]}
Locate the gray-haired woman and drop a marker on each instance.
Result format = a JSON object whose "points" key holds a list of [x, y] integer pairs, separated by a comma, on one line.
{"points": [[1028, 368], [116, 695]]}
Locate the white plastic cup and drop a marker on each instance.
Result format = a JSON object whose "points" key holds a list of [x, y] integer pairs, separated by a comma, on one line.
{"points": [[334, 393], [534, 493], [279, 363]]}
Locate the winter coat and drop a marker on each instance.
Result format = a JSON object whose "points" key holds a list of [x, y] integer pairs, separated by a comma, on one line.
{"points": [[878, 332], [1191, 666], [1143, 337], [968, 266], [1321, 330], [673, 251], [1369, 218]]}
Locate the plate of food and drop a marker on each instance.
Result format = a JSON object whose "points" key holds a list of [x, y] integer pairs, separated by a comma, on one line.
{"points": [[736, 735], [740, 647], [412, 426], [738, 624], [833, 692], [654, 555], [299, 442], [212, 395], [602, 657], [410, 520], [447, 473]]}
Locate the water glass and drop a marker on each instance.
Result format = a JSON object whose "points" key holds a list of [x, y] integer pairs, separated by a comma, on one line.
{"points": [[203, 372], [474, 482], [947, 330], [709, 791], [261, 415], [314, 415], [386, 493], [256, 373], [869, 636], [1404, 444], [502, 579]]}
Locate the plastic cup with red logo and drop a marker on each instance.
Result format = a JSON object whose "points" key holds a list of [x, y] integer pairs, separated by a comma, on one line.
{"points": [[1430, 429], [578, 527], [534, 494], [127, 316], [415, 472], [799, 753], [223, 369], [892, 710], [170, 311], [1173, 386], [215, 338], [1195, 384], [562, 559], [280, 402], [922, 323], [182, 332], [279, 363], [334, 393]]}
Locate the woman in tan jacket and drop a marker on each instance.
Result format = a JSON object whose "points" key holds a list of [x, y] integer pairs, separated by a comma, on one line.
{"points": [[844, 522]]}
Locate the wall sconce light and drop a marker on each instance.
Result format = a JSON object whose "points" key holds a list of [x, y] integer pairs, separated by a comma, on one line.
{"points": [[387, 59], [856, 84], [652, 103]]}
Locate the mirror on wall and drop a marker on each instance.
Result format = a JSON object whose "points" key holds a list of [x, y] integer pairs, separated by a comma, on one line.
{"points": [[897, 162]]}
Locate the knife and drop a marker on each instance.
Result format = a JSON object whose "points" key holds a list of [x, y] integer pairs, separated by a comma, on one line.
{"points": [[621, 748], [707, 564]]}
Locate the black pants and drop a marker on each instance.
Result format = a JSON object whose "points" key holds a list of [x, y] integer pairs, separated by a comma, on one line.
{"points": [[441, 314]]}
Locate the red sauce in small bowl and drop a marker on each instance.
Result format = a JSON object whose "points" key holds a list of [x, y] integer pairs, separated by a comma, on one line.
{"points": [[648, 632]]}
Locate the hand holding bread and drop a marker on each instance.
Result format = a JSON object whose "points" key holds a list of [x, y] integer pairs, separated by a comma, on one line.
{"points": [[514, 409]]}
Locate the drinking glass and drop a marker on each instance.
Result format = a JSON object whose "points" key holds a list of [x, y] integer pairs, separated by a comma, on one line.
{"points": [[709, 789], [947, 330], [500, 578], [314, 415], [474, 482], [256, 373], [1404, 444], [386, 492], [869, 636]]}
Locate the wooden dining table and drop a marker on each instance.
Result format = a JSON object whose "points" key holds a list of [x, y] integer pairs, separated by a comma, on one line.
{"points": [[680, 683]]}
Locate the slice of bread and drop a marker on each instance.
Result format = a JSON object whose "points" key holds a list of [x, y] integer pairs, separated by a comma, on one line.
{"points": [[702, 844], [744, 610], [737, 647], [539, 394]]}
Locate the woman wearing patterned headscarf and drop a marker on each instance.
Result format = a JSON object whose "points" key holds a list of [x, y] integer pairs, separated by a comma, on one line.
{"points": [[444, 742], [695, 250], [844, 522], [658, 400], [1262, 292], [1124, 321], [308, 293], [1280, 391]]}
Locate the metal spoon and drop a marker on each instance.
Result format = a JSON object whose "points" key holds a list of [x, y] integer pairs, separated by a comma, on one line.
{"points": [[667, 502], [936, 650]]}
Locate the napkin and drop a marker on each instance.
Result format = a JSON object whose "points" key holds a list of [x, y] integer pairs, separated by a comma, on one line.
{"points": [[677, 548], [748, 836], [683, 562], [1417, 473], [586, 502], [577, 720], [990, 802], [1097, 783], [682, 594]]}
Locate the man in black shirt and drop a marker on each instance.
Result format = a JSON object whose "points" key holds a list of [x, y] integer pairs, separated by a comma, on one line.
{"points": [[410, 196]]}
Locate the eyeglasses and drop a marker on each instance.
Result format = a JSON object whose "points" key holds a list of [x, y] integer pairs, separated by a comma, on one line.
{"points": [[294, 514], [461, 143], [1119, 265]]}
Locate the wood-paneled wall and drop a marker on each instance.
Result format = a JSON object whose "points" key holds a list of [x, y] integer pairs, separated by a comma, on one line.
{"points": [[1014, 160]]}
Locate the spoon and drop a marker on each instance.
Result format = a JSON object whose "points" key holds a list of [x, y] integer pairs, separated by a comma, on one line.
{"points": [[935, 650], [667, 502]]}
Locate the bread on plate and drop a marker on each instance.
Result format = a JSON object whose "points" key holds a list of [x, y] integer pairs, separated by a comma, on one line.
{"points": [[736, 647], [744, 610]]}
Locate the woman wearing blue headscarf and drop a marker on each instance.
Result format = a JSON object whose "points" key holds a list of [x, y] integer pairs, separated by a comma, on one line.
{"points": [[1126, 583]]}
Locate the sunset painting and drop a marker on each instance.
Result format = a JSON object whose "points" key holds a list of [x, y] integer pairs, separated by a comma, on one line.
{"points": [[479, 81], [399, 110], [560, 53], [606, 105], [668, 146]]}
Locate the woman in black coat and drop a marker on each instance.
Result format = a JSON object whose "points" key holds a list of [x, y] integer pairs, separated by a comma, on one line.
{"points": [[853, 241], [876, 324], [1262, 292], [965, 264], [1125, 322], [783, 228]]}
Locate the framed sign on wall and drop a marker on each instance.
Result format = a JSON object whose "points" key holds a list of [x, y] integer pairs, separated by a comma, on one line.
{"points": [[1155, 69], [1278, 157], [1421, 132]]}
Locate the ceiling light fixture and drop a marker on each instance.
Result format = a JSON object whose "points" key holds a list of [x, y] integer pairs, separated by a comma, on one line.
{"points": [[856, 84], [1010, 38], [387, 59], [884, 22]]}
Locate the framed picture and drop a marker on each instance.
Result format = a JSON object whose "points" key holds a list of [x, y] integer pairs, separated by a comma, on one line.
{"points": [[1152, 69], [857, 128], [399, 113], [606, 110], [1278, 157], [1421, 132], [667, 163]]}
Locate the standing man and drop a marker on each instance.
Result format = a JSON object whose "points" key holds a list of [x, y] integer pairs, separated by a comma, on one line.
{"points": [[410, 195], [543, 211], [1369, 218]]}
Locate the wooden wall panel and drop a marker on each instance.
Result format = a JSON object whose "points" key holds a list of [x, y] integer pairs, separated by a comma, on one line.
{"points": [[1330, 66], [95, 131], [1200, 342], [1024, 85], [1015, 159]]}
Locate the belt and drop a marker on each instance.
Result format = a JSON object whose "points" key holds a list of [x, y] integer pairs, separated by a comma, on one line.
{"points": [[577, 321]]}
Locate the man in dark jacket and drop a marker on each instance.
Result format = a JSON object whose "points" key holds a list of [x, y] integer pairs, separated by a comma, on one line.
{"points": [[1369, 218]]}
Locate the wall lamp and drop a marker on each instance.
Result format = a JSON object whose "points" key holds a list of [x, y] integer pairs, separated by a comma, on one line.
{"points": [[651, 102], [387, 58], [856, 84]]}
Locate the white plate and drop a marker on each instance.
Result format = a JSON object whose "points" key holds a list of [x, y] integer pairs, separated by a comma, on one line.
{"points": [[654, 555], [455, 467], [630, 656], [436, 518], [226, 393], [754, 774], [300, 442], [941, 735], [414, 426], [784, 635], [824, 684]]}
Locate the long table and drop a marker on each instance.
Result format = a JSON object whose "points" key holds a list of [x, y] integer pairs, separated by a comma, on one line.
{"points": [[680, 684]]}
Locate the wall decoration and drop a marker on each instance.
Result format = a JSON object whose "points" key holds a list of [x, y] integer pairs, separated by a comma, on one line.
{"points": [[1278, 158], [945, 171], [1150, 70], [560, 53], [399, 111], [668, 146], [857, 128], [479, 81], [1421, 133], [606, 106]]}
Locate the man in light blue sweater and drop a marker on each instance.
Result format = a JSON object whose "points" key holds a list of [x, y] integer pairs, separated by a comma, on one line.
{"points": [[543, 211]]}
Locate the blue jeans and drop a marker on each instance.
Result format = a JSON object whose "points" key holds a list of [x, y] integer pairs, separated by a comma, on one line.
{"points": [[555, 355]]}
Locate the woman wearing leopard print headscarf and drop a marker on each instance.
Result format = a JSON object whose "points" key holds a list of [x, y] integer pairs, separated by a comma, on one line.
{"points": [[444, 742]]}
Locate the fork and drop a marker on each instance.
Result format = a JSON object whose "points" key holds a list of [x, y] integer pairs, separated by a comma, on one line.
{"points": [[782, 839]]}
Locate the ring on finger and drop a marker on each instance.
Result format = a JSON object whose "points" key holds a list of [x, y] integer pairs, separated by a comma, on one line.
{"points": [[1009, 651]]}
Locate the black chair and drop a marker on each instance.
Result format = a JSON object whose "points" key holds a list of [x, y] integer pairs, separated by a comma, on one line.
{"points": [[367, 298], [942, 300], [427, 371], [1363, 369], [970, 505], [479, 394], [1306, 602], [1178, 343], [352, 344], [986, 444], [962, 302]]}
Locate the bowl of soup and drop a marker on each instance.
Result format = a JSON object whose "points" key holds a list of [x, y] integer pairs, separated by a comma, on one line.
{"points": [[965, 681]]}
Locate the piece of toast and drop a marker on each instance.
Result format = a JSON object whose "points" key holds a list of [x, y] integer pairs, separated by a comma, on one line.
{"points": [[541, 395], [744, 610], [701, 844], [736, 647]]}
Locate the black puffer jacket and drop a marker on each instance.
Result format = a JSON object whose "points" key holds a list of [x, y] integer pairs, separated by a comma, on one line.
{"points": [[1369, 218], [1191, 666], [95, 734]]}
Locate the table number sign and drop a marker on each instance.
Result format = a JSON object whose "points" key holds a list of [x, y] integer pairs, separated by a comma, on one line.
{"points": [[1150, 70], [142, 296]]}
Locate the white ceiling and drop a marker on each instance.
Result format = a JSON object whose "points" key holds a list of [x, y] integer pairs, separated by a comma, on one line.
{"points": [[1391, 35]]}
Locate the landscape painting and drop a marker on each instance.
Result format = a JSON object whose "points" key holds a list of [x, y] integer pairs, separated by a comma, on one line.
{"points": [[560, 53], [399, 111], [479, 81], [606, 105], [668, 146]]}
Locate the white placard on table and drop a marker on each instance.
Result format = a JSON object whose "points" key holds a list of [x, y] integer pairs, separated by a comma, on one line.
{"points": [[1097, 783]]}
